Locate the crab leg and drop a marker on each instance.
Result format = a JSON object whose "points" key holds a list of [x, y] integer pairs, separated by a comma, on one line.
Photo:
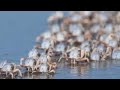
{"points": [[12, 76], [60, 58], [85, 59], [17, 70], [82, 53]]}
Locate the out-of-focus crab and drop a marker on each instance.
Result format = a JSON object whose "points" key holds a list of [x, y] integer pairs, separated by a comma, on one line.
{"points": [[116, 53], [29, 63], [10, 68], [74, 55]]}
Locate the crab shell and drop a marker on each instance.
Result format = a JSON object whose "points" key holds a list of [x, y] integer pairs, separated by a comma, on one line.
{"points": [[74, 54], [43, 59], [76, 30], [55, 28], [80, 38], [103, 37], [101, 48], [84, 44], [95, 28], [60, 37], [95, 56], [47, 35], [45, 44], [75, 18], [113, 43], [33, 53], [116, 55], [108, 28], [60, 47], [55, 17], [30, 62], [43, 68]]}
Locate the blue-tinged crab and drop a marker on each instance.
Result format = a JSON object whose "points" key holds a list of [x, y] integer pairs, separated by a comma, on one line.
{"points": [[45, 35], [45, 64], [74, 55], [95, 55], [29, 63], [60, 49], [76, 29], [10, 69], [56, 17], [116, 53], [112, 40]]}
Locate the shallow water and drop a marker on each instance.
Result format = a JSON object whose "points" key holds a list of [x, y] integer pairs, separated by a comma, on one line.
{"points": [[18, 30]]}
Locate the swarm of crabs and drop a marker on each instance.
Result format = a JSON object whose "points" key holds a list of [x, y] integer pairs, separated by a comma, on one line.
{"points": [[79, 37]]}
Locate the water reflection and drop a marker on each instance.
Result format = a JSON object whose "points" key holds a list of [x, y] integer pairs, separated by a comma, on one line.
{"points": [[38, 76], [101, 64]]}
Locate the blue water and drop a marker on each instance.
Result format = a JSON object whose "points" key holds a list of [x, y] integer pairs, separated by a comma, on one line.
{"points": [[18, 30]]}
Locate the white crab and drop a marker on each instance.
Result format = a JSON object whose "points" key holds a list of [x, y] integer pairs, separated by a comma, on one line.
{"points": [[55, 28], [76, 29], [55, 16], [33, 53], [116, 54], [29, 63], [95, 56], [11, 68], [95, 28], [60, 47], [80, 38], [112, 40], [74, 54], [60, 37], [108, 28], [47, 43], [44, 64], [75, 17]]}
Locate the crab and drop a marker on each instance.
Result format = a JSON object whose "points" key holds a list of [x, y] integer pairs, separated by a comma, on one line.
{"points": [[60, 49], [44, 64], [112, 40], [48, 43], [73, 54], [60, 37], [33, 53], [29, 63], [107, 53], [103, 37], [95, 28], [101, 48], [116, 53], [45, 35], [55, 28], [55, 17], [11, 68], [76, 29], [80, 38], [108, 28], [75, 17], [76, 40], [95, 56]]}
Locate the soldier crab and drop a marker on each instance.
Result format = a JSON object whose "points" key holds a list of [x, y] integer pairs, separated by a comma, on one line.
{"points": [[10, 68]]}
